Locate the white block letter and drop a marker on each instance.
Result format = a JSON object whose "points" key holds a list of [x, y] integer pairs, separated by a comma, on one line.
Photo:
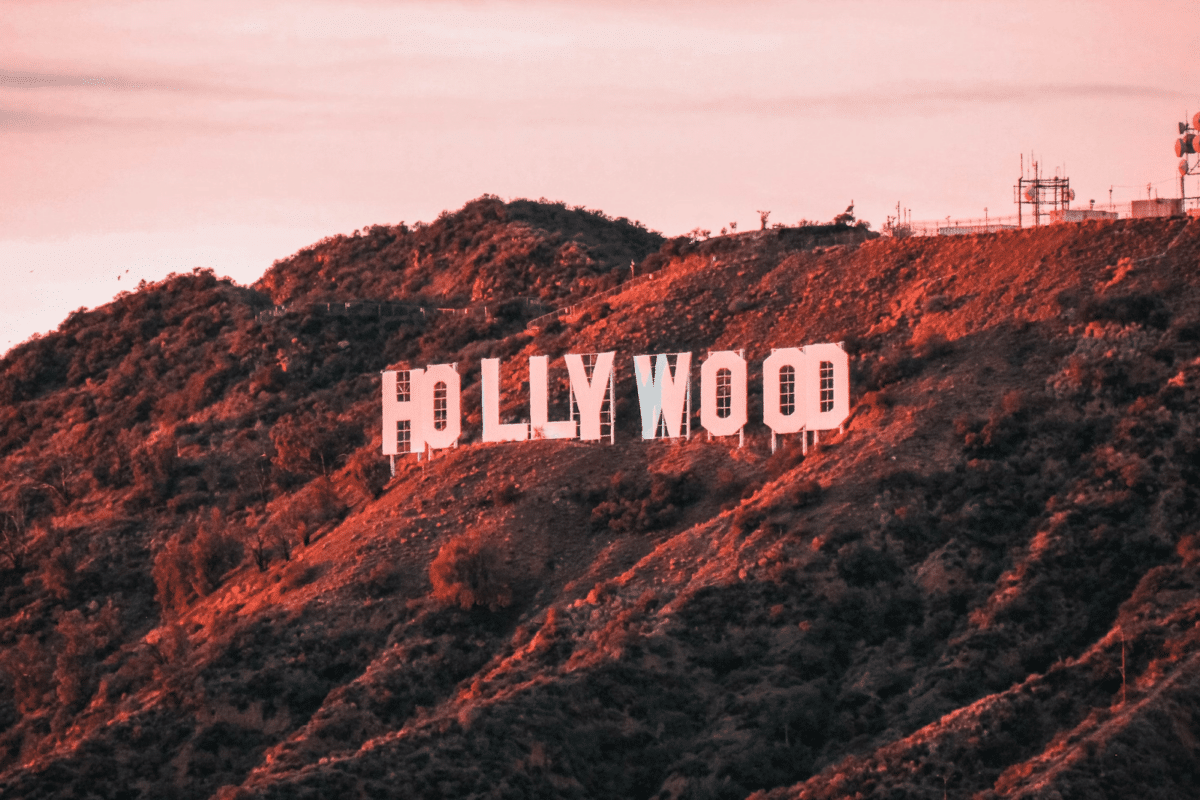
{"points": [[723, 393], [493, 431], [824, 387], [660, 394], [783, 407], [539, 390], [401, 407], [440, 398], [589, 396]]}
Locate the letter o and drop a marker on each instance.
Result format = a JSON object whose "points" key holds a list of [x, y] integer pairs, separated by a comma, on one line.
{"points": [[716, 425], [773, 416]]}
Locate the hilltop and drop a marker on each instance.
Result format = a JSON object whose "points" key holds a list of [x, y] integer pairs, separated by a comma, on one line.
{"points": [[985, 587], [487, 251]]}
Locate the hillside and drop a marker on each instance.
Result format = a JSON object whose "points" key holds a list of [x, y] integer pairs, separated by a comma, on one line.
{"points": [[488, 251], [985, 587]]}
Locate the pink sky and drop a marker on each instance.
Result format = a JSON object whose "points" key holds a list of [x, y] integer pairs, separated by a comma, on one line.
{"points": [[142, 138]]}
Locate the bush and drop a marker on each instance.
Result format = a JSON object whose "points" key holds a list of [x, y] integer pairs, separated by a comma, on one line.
{"points": [[468, 572], [193, 563], [635, 505], [861, 565], [60, 571], [313, 445], [213, 553], [172, 577], [75, 665], [805, 493], [507, 494], [369, 473], [30, 670]]}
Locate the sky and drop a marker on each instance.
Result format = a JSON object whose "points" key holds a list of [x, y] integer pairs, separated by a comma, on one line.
{"points": [[144, 138]]}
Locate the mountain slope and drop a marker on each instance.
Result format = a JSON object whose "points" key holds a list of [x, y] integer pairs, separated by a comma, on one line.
{"points": [[986, 586], [487, 251]]}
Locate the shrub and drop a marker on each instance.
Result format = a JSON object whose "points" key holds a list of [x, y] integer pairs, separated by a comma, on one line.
{"points": [[30, 671], [789, 456], [75, 665], [172, 577], [312, 445], [213, 553], [185, 569], [635, 505], [507, 494], [60, 570], [1140, 309], [468, 572], [805, 493], [861, 565], [258, 540], [930, 345], [369, 473], [383, 579], [154, 469]]}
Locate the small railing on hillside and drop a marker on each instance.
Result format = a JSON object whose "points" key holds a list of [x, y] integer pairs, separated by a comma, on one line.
{"points": [[955, 225], [566, 311], [382, 308], [385, 308], [805, 240], [379, 308], [959, 225]]}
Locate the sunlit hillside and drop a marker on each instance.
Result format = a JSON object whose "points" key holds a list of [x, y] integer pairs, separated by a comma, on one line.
{"points": [[986, 586]]}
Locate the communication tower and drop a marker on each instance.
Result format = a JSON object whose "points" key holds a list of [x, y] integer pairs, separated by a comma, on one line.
{"points": [[1044, 195], [1187, 150]]}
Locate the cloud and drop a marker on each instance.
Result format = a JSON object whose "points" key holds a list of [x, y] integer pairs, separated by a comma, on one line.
{"points": [[40, 120], [34, 81], [12, 79], [58, 100], [929, 99]]}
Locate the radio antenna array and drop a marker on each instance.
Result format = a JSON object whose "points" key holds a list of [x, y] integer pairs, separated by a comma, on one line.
{"points": [[1187, 150], [1043, 195]]}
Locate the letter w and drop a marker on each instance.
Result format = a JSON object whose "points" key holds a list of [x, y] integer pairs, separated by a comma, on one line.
{"points": [[662, 395]]}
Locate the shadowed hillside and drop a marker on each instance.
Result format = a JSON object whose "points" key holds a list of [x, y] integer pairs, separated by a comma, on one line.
{"points": [[986, 587]]}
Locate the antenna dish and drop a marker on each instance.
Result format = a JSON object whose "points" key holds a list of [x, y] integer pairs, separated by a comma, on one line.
{"points": [[1189, 143], [1070, 195], [1029, 195], [1183, 126], [1183, 167], [1196, 121], [1179, 151]]}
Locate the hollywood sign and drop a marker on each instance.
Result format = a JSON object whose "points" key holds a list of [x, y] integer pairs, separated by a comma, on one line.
{"points": [[804, 389]]}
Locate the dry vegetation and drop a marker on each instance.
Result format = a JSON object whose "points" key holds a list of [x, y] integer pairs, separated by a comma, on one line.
{"points": [[985, 588]]}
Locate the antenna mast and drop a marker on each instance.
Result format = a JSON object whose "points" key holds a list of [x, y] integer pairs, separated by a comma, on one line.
{"points": [[1041, 192], [1188, 144]]}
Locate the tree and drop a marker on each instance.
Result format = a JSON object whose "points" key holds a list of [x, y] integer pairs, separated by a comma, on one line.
{"points": [[762, 218], [172, 578], [468, 572], [846, 217], [312, 445], [258, 540], [213, 552], [14, 528], [193, 562]]}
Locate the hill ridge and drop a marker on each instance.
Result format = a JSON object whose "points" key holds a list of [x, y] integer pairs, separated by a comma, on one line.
{"points": [[211, 587]]}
